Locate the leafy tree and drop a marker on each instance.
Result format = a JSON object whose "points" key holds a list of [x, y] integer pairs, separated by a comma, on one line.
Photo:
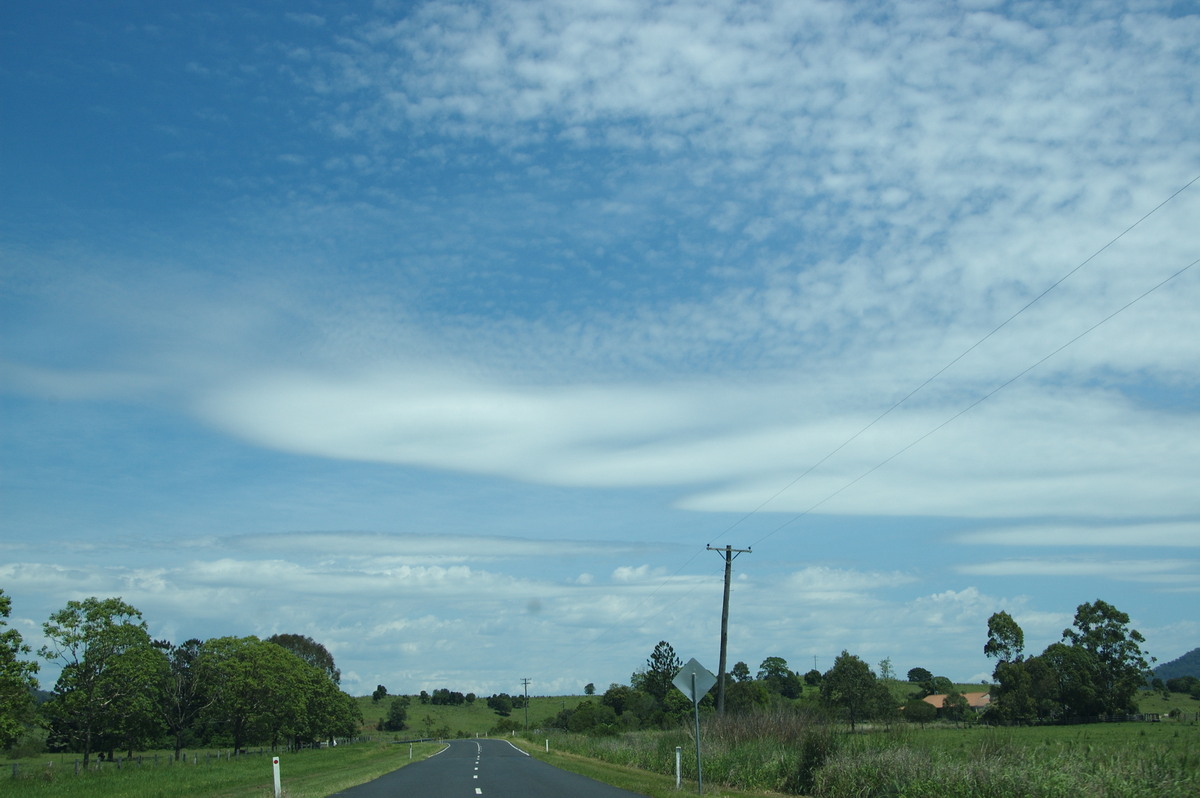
{"points": [[16, 680], [661, 668], [182, 696], [918, 711], [592, 718], [917, 675], [1005, 640], [1070, 686], [379, 694], [813, 678], [743, 696], [938, 685], [886, 671], [1103, 631], [260, 690], [105, 695], [851, 686], [328, 712], [619, 697], [955, 705], [311, 652], [397, 716], [589, 689], [741, 672], [778, 679], [1182, 684], [501, 704]]}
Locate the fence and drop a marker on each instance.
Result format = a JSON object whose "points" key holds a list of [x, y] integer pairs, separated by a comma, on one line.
{"points": [[22, 769]]}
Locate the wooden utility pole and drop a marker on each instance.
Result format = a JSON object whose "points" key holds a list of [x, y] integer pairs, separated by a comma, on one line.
{"points": [[730, 554]]}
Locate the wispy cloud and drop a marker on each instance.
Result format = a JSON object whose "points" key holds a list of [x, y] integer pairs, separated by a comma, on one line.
{"points": [[1185, 534], [456, 330]]}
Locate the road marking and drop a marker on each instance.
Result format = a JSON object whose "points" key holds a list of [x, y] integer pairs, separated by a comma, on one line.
{"points": [[478, 791]]}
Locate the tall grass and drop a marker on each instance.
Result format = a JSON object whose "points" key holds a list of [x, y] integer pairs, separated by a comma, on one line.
{"points": [[997, 763], [777, 750], [796, 753]]}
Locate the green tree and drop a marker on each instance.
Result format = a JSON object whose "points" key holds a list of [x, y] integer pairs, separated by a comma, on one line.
{"points": [[311, 652], [955, 706], [589, 689], [745, 696], [917, 675], [501, 704], [919, 711], [397, 716], [182, 696], [1006, 640], [740, 671], [592, 718], [111, 674], [328, 712], [259, 689], [1121, 667], [778, 679], [661, 668], [17, 679], [1069, 684], [851, 686], [379, 694]]}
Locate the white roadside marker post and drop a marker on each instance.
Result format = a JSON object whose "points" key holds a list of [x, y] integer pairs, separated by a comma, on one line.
{"points": [[275, 768]]}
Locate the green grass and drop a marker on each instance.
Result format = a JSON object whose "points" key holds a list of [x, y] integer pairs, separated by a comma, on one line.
{"points": [[637, 780], [305, 774], [1125, 760], [775, 754]]}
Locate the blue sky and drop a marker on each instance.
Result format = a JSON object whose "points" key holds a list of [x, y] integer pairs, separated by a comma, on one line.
{"points": [[451, 333]]}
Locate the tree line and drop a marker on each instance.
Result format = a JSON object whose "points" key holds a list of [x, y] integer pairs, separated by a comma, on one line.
{"points": [[1095, 670], [119, 689]]}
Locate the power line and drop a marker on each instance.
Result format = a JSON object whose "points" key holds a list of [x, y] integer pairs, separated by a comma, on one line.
{"points": [[978, 401], [955, 360], [905, 398]]}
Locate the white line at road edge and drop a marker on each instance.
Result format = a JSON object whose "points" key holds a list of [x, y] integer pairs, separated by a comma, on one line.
{"points": [[431, 756], [518, 750]]}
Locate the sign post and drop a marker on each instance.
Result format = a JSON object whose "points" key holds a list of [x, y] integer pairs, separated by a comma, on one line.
{"points": [[694, 681], [275, 767]]}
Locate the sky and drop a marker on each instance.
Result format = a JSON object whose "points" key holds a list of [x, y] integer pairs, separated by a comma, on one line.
{"points": [[451, 334]]}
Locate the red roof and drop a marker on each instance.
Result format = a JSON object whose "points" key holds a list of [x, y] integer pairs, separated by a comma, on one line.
{"points": [[974, 700]]}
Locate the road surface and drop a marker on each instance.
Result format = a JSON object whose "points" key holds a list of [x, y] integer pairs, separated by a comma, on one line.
{"points": [[487, 768]]}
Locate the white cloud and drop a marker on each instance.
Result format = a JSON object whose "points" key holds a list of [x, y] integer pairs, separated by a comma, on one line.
{"points": [[1167, 572], [1158, 534]]}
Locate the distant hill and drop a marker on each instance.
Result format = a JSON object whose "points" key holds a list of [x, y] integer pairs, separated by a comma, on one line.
{"points": [[1187, 665]]}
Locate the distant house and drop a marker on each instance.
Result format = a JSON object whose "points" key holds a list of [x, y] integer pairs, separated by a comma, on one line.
{"points": [[976, 701]]}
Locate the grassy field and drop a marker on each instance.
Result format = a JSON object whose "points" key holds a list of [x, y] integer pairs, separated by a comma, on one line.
{"points": [[305, 774], [787, 754], [791, 755]]}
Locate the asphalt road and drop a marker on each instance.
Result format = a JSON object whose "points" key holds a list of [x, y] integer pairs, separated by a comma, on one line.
{"points": [[488, 768]]}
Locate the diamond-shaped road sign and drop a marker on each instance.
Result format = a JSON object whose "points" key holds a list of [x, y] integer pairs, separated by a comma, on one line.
{"points": [[694, 689]]}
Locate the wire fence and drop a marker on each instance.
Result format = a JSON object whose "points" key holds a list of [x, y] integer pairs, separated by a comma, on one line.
{"points": [[158, 759]]}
